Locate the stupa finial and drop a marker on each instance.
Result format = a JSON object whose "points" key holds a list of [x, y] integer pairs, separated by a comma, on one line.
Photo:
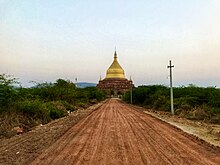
{"points": [[115, 55]]}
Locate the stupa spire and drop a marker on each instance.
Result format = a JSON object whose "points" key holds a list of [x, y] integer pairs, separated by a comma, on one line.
{"points": [[115, 54]]}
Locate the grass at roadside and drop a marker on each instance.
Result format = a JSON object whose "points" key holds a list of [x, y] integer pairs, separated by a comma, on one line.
{"points": [[24, 108], [191, 102]]}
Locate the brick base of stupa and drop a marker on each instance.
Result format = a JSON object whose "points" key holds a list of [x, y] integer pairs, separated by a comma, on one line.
{"points": [[115, 87]]}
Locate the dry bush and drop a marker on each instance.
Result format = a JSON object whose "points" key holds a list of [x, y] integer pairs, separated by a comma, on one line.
{"points": [[9, 121]]}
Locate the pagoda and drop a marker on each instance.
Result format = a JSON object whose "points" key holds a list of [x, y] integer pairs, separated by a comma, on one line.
{"points": [[115, 84]]}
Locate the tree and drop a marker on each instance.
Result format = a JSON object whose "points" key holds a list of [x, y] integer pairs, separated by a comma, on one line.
{"points": [[7, 91]]}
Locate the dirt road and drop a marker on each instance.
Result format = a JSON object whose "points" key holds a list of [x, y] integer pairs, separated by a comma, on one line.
{"points": [[117, 133]]}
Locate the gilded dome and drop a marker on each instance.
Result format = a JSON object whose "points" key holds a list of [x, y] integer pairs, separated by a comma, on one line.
{"points": [[115, 70]]}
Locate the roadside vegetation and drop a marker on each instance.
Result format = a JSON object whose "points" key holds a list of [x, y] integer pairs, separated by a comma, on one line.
{"points": [[27, 107], [192, 102]]}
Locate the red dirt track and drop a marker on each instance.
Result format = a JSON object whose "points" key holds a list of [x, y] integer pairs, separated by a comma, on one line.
{"points": [[117, 133]]}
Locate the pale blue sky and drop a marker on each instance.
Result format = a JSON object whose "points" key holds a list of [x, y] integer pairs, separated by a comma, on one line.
{"points": [[42, 40]]}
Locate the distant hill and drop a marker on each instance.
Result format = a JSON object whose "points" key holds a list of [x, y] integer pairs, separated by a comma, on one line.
{"points": [[85, 84]]}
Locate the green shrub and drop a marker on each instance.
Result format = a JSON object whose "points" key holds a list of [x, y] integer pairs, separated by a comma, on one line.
{"points": [[100, 95], [31, 108], [192, 101], [56, 110], [68, 106], [34, 109]]}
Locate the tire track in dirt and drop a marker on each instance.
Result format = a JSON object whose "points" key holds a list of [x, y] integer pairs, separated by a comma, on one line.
{"points": [[117, 133], [155, 140], [170, 136], [142, 134]]}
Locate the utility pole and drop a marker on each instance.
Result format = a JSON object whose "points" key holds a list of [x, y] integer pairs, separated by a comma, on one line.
{"points": [[76, 82], [171, 87]]}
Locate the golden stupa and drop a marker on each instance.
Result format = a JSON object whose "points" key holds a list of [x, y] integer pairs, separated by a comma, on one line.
{"points": [[115, 84], [115, 70]]}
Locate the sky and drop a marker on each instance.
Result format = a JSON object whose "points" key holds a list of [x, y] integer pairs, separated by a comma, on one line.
{"points": [[43, 40]]}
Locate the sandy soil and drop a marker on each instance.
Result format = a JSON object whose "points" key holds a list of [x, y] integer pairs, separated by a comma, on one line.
{"points": [[205, 131], [117, 133]]}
